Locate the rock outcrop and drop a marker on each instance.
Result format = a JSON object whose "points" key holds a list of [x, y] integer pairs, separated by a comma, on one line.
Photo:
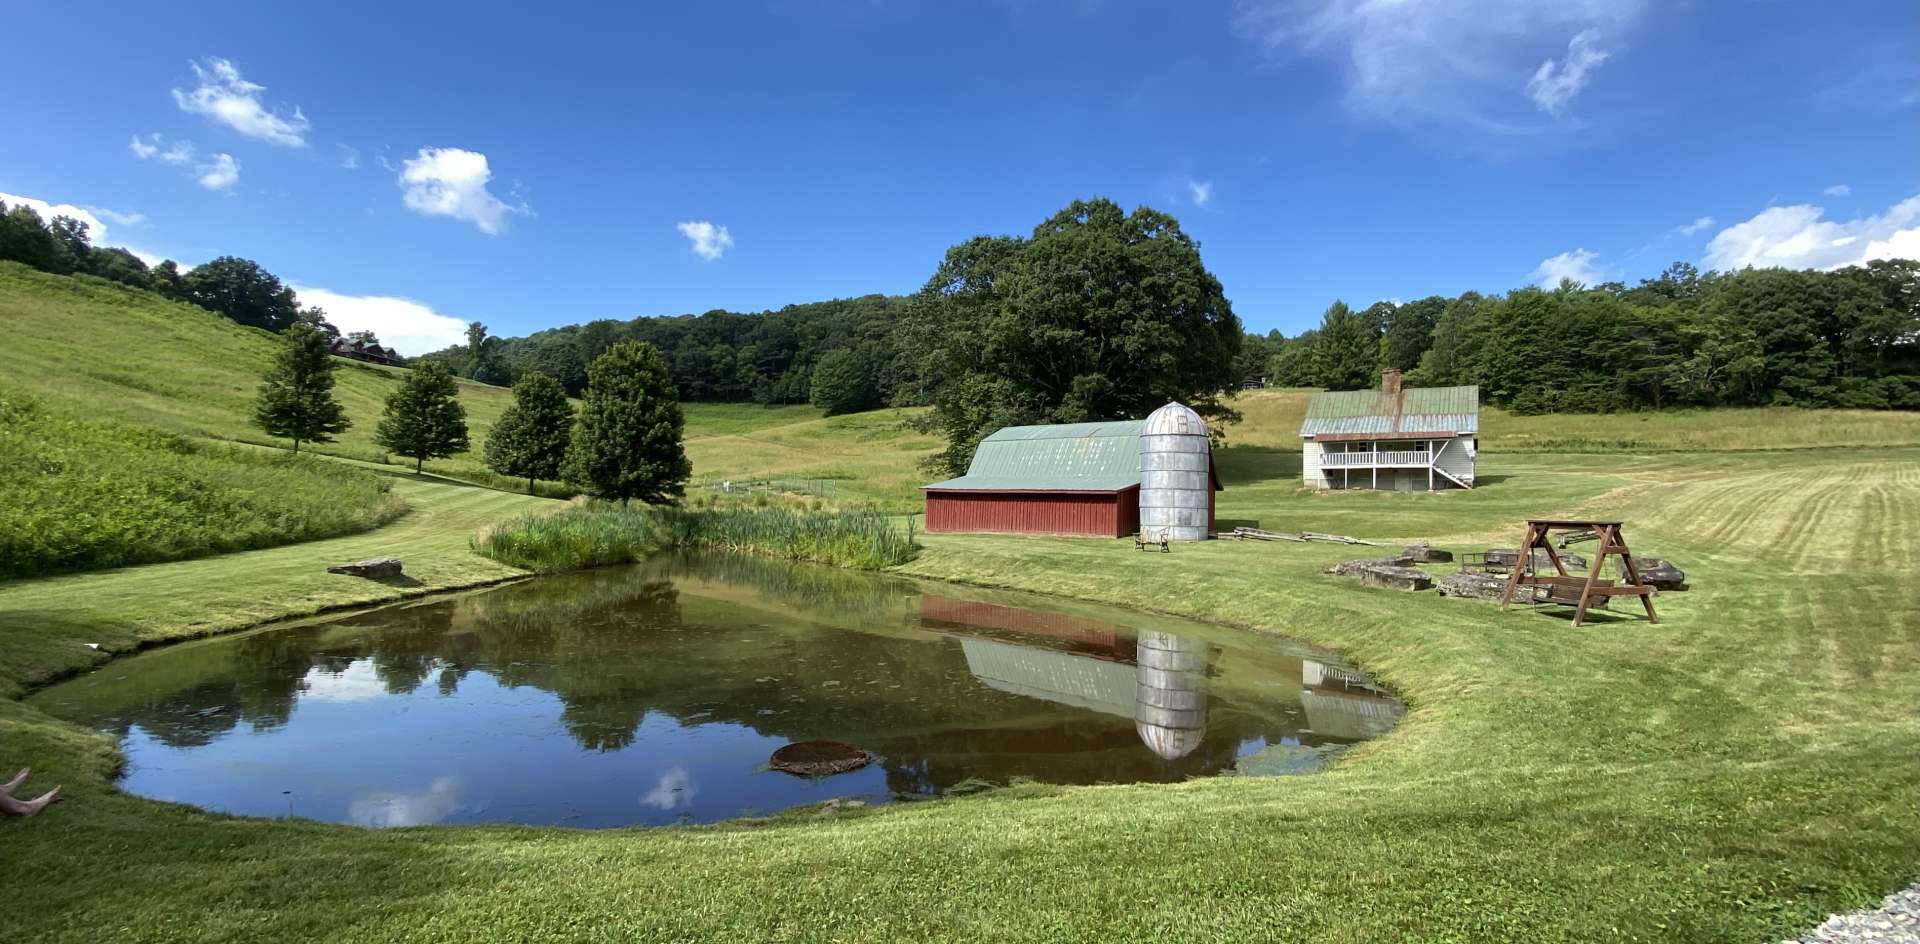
{"points": [[376, 568]]}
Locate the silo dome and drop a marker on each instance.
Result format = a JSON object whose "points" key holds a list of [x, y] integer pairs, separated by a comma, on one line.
{"points": [[1170, 695], [1176, 487]]}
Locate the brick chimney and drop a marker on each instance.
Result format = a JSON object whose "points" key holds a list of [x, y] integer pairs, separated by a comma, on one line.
{"points": [[1390, 381]]}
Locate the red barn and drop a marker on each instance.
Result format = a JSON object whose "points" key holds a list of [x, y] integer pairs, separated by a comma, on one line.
{"points": [[1078, 479]]}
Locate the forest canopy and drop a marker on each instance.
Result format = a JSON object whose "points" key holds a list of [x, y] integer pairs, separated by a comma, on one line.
{"points": [[1757, 337]]}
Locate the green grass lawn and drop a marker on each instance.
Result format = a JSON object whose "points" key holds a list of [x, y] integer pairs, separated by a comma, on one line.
{"points": [[1732, 773]]}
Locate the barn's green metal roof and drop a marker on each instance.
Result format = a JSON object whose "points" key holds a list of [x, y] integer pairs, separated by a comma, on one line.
{"points": [[1415, 410], [1069, 457]]}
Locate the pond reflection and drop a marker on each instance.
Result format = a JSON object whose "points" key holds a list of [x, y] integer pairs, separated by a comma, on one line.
{"points": [[654, 694]]}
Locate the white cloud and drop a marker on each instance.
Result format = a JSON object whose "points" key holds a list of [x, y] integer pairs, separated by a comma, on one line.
{"points": [[1200, 190], [709, 241], [1453, 62], [118, 218], [96, 230], [220, 172], [357, 682], [223, 97], [674, 788], [1838, 190], [384, 808], [408, 326], [1575, 264], [1797, 237], [349, 157], [1699, 223], [1555, 84], [453, 182], [156, 148]]}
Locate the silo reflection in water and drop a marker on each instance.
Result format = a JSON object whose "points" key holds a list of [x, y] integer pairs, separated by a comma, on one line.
{"points": [[1170, 698]]}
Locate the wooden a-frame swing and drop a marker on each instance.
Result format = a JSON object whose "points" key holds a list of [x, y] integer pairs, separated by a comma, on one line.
{"points": [[1566, 588]]}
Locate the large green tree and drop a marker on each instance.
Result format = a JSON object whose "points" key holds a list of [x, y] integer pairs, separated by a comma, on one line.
{"points": [[1099, 314], [1410, 332], [530, 440], [843, 382], [627, 441], [296, 400], [241, 290], [424, 419], [1346, 351]]}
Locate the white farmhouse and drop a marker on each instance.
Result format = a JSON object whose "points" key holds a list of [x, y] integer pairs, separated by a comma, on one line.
{"points": [[1423, 439]]}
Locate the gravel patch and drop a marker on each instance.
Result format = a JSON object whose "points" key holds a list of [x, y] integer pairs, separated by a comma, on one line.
{"points": [[1896, 922]]}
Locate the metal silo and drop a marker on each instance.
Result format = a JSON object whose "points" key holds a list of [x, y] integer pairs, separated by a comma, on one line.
{"points": [[1170, 697], [1176, 487]]}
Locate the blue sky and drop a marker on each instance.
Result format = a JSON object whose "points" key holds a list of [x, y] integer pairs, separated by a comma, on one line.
{"points": [[411, 168]]}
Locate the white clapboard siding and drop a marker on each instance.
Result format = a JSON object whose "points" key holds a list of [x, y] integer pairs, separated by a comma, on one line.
{"points": [[1310, 471], [1458, 459]]}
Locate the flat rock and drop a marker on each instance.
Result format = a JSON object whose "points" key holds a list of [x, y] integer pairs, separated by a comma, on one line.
{"points": [[1396, 578], [1661, 574], [1472, 586], [1427, 554], [372, 567], [819, 758], [1354, 568]]}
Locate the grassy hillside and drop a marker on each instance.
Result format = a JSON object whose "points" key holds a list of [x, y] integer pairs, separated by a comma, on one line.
{"points": [[84, 494], [1732, 773], [131, 355], [1273, 420], [111, 351]]}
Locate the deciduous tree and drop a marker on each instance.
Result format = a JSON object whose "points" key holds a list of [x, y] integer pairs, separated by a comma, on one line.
{"points": [[241, 290], [1099, 314], [530, 440], [627, 442], [424, 419], [296, 400]]}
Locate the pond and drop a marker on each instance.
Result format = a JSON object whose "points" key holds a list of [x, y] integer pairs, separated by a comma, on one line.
{"points": [[655, 694]]}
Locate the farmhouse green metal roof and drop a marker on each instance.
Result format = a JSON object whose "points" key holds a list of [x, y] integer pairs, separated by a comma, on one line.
{"points": [[1415, 410], [1069, 457]]}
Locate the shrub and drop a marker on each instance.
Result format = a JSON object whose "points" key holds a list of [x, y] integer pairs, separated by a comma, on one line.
{"points": [[595, 536], [87, 494]]}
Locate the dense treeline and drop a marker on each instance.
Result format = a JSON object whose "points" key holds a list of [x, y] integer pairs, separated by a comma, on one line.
{"points": [[1757, 337], [721, 356], [237, 288]]}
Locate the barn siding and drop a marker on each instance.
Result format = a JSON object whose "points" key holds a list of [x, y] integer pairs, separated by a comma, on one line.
{"points": [[1094, 514]]}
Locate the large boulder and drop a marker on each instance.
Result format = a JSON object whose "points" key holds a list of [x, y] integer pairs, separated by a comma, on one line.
{"points": [[1659, 573], [1396, 578], [1510, 557], [376, 568], [1471, 586], [1428, 554], [1354, 568]]}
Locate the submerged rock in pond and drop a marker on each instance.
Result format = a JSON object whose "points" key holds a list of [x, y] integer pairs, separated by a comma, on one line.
{"points": [[819, 758], [375, 567]]}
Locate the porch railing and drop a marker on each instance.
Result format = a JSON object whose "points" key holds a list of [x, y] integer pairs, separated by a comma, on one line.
{"points": [[1417, 458]]}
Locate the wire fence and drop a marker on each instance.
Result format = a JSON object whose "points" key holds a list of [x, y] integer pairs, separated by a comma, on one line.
{"points": [[816, 488]]}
